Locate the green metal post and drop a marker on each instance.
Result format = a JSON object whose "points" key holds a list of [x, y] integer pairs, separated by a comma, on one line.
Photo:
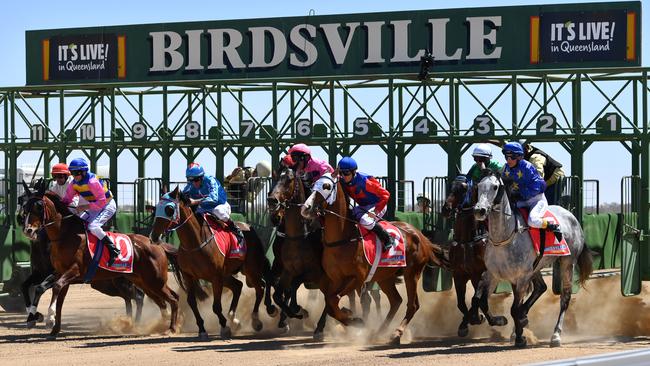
{"points": [[577, 150], [390, 213], [219, 155], [113, 154], [165, 151], [644, 212]]}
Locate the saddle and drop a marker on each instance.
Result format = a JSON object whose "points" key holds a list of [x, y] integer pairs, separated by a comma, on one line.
{"points": [[544, 241]]}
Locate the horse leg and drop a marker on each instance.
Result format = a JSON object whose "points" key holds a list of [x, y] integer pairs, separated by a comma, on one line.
{"points": [[138, 296], [332, 300], [411, 278], [235, 286], [297, 309], [29, 294], [217, 290], [191, 301], [493, 320], [460, 285], [352, 302], [539, 287], [376, 297], [365, 299], [519, 291], [59, 290], [566, 266], [394, 299], [318, 332], [172, 298], [39, 290], [51, 312], [283, 294]]}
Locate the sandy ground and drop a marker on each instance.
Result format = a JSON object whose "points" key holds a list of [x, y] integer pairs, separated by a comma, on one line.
{"points": [[95, 331]]}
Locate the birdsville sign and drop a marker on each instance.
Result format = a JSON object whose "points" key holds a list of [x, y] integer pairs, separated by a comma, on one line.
{"points": [[590, 35]]}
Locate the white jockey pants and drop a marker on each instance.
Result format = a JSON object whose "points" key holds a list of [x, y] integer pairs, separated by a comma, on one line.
{"points": [[97, 218], [222, 212], [538, 206], [364, 219]]}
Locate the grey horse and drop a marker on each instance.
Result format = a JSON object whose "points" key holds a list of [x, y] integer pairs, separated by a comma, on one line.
{"points": [[510, 255]]}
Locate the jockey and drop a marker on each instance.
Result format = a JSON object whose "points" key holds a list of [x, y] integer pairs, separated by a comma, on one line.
{"points": [[527, 187], [206, 192], [482, 154], [309, 169], [101, 206], [62, 179], [370, 196]]}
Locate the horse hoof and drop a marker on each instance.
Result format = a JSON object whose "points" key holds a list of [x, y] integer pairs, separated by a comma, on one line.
{"points": [[54, 332], [226, 333], [235, 324], [521, 342], [30, 324], [395, 340], [478, 320], [203, 336], [463, 332], [284, 329], [272, 311], [498, 321], [319, 336], [39, 317], [257, 325], [556, 341]]}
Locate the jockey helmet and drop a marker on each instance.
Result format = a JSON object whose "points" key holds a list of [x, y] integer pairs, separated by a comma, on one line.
{"points": [[482, 150], [300, 149], [263, 169], [60, 168], [78, 164], [287, 160], [513, 148], [460, 179], [194, 170], [347, 163]]}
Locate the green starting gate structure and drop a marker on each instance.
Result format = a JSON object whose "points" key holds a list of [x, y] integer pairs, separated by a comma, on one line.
{"points": [[165, 94]]}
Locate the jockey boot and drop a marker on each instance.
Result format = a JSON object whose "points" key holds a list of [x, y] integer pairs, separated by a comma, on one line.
{"points": [[237, 231], [384, 236], [113, 252], [555, 228]]}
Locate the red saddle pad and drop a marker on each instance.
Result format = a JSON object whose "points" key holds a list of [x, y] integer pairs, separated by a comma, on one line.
{"points": [[124, 262], [394, 257], [226, 240]]}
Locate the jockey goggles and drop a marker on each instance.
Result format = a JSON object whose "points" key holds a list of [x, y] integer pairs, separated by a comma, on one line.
{"points": [[194, 179], [511, 156], [76, 172], [346, 172]]}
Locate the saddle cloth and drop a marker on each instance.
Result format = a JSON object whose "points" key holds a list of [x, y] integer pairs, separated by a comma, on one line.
{"points": [[394, 257], [551, 247], [124, 262], [225, 239]]}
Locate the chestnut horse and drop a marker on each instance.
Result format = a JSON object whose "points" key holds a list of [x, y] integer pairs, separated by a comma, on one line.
{"points": [[343, 257], [466, 257], [71, 258], [199, 259]]}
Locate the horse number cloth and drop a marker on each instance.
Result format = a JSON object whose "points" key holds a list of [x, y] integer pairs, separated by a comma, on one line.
{"points": [[394, 257], [124, 262], [226, 240], [551, 247]]}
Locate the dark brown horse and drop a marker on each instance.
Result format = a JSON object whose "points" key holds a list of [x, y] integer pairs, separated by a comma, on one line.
{"points": [[199, 259], [343, 258], [71, 258], [466, 257]]}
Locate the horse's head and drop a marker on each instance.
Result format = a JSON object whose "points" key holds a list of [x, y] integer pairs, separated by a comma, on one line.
{"points": [[490, 194], [35, 211], [456, 196], [285, 193], [171, 212], [323, 194]]}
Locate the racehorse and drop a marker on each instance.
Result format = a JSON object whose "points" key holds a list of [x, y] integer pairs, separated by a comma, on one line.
{"points": [[510, 254], [198, 258], [343, 257], [301, 249], [71, 258], [466, 257]]}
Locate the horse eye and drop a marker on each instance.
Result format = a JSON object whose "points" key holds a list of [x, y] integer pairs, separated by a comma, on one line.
{"points": [[495, 188], [327, 186], [169, 211]]}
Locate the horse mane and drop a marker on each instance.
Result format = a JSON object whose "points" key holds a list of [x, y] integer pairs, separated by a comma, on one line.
{"points": [[76, 223]]}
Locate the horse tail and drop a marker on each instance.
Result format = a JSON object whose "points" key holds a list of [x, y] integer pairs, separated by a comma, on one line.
{"points": [[436, 254], [586, 264]]}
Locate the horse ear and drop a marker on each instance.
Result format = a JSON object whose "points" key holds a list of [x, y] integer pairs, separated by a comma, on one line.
{"points": [[26, 187], [174, 192], [164, 189], [42, 187]]}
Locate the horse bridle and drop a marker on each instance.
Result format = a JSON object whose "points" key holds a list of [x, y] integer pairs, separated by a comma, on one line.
{"points": [[497, 202], [287, 203], [30, 202], [177, 219]]}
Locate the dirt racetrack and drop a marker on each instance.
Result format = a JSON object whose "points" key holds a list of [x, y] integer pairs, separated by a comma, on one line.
{"points": [[95, 331]]}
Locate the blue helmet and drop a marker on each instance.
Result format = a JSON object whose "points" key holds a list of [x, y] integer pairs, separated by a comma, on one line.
{"points": [[513, 148], [194, 170], [347, 163], [78, 164]]}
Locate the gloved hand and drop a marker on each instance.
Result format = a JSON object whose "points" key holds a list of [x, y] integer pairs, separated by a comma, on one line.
{"points": [[516, 196]]}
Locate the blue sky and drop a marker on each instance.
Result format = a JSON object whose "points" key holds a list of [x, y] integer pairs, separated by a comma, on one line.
{"points": [[17, 17]]}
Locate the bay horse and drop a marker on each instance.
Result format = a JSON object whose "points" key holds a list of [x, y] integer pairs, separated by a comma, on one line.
{"points": [[343, 257], [466, 256], [71, 258], [199, 259], [510, 254]]}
